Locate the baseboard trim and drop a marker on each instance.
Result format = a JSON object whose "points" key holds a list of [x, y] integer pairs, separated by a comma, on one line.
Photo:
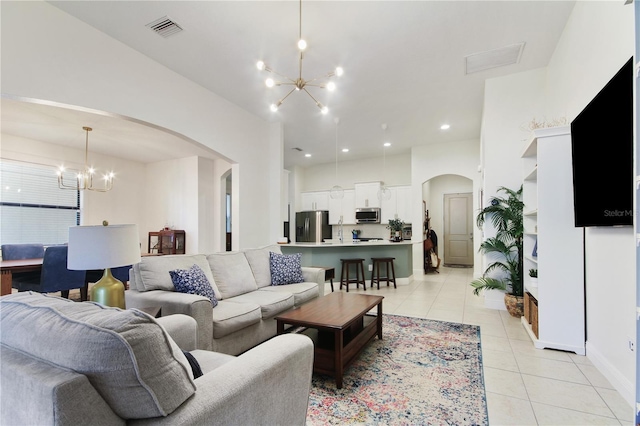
{"points": [[622, 384]]}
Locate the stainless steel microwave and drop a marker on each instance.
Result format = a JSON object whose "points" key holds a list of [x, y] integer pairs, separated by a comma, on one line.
{"points": [[368, 215]]}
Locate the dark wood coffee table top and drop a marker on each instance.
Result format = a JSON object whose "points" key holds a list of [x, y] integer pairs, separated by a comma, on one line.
{"points": [[335, 310]]}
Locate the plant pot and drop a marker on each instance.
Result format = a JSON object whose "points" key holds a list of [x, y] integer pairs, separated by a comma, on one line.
{"points": [[534, 282], [514, 304]]}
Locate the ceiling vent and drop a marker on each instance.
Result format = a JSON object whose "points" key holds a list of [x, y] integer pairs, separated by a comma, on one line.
{"points": [[495, 58], [165, 27]]}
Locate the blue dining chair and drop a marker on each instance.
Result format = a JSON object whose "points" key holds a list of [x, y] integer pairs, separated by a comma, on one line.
{"points": [[55, 276], [19, 252]]}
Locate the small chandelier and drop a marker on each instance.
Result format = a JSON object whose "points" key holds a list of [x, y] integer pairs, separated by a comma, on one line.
{"points": [[300, 83], [84, 179]]}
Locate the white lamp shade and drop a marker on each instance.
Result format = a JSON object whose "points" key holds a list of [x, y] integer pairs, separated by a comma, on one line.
{"points": [[101, 247]]}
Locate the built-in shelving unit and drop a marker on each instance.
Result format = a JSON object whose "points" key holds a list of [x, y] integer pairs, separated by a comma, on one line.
{"points": [[552, 244]]}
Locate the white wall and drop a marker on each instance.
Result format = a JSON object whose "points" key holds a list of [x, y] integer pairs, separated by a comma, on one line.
{"points": [[397, 171], [583, 62], [598, 39], [510, 103], [49, 55], [206, 197]]}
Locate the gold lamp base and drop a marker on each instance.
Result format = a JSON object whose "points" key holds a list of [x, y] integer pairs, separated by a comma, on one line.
{"points": [[109, 291]]}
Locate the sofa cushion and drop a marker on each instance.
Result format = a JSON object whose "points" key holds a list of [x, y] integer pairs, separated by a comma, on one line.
{"points": [[232, 273], [286, 268], [302, 292], [229, 317], [127, 356], [260, 263], [154, 271], [193, 281], [271, 303]]}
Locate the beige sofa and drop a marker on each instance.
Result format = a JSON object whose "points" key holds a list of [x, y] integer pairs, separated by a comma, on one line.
{"points": [[70, 363], [248, 303]]}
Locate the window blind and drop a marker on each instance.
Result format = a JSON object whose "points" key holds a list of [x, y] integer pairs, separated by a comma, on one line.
{"points": [[32, 207]]}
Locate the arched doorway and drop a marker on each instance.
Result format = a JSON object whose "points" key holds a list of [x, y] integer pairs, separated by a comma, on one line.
{"points": [[448, 200]]}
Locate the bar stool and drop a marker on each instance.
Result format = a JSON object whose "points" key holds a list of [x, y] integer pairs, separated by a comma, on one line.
{"points": [[375, 273], [344, 276]]}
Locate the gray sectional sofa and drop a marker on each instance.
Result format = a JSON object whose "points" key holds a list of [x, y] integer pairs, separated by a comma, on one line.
{"points": [[68, 363], [241, 282]]}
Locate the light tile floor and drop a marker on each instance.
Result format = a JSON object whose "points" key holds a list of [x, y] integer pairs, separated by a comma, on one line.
{"points": [[524, 385]]}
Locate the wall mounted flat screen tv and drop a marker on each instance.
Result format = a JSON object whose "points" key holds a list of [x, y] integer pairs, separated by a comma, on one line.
{"points": [[602, 154]]}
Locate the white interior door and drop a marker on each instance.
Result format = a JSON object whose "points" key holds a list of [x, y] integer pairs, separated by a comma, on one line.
{"points": [[458, 229]]}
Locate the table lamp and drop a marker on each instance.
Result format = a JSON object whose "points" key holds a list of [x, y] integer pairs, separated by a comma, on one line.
{"points": [[104, 247]]}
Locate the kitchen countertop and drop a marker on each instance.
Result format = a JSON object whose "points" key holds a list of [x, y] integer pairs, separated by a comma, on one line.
{"points": [[328, 255], [351, 243]]}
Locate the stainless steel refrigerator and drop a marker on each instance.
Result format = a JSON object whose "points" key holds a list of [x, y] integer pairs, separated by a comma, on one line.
{"points": [[312, 226]]}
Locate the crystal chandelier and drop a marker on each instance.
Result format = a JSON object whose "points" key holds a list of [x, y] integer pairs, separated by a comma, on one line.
{"points": [[84, 179], [300, 83]]}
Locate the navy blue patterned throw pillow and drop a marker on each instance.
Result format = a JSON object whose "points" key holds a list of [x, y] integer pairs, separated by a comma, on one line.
{"points": [[193, 281], [285, 268]]}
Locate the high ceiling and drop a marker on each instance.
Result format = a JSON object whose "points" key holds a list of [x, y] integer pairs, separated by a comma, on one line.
{"points": [[404, 62]]}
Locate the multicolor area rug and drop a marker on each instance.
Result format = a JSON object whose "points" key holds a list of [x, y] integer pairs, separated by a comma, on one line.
{"points": [[423, 372]]}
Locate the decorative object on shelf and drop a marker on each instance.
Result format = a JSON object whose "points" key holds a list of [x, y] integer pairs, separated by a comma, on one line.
{"points": [[104, 247], [544, 123], [337, 192], [505, 214], [84, 179], [300, 84], [384, 193], [396, 226], [534, 253], [533, 275], [355, 233]]}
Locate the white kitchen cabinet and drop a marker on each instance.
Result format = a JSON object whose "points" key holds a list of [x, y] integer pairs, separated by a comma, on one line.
{"points": [[315, 200], [398, 206], [552, 244], [367, 194], [345, 207]]}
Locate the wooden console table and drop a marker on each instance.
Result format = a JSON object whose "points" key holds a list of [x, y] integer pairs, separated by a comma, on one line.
{"points": [[170, 241]]}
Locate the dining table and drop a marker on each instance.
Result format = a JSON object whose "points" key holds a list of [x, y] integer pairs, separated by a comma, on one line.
{"points": [[8, 267]]}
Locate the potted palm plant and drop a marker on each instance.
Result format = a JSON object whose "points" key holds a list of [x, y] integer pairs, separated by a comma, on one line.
{"points": [[505, 270]]}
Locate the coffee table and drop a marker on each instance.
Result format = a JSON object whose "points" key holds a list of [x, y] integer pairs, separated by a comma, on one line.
{"points": [[339, 327]]}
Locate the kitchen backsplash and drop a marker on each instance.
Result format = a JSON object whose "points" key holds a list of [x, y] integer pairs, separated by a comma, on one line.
{"points": [[366, 231]]}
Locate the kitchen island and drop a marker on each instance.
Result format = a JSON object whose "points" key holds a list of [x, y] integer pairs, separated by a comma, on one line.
{"points": [[329, 255]]}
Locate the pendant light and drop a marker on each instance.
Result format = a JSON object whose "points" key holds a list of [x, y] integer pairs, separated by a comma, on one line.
{"points": [[300, 84], [384, 193], [84, 178], [337, 192]]}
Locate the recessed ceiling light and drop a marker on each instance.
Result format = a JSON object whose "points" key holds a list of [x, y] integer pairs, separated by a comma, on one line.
{"points": [[387, 144], [307, 155], [345, 149], [445, 127]]}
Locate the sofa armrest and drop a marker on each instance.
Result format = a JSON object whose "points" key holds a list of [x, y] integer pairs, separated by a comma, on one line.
{"points": [[267, 385], [314, 275], [173, 302], [183, 329]]}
